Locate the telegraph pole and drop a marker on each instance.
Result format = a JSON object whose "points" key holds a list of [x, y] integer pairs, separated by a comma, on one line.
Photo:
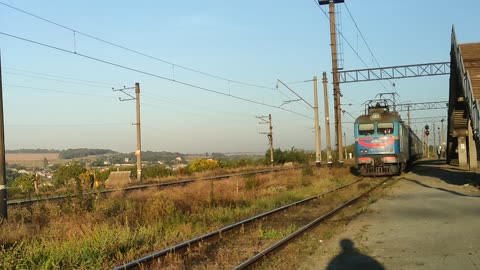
{"points": [[327, 119], [3, 177], [263, 120], [138, 152], [336, 84], [318, 148]]}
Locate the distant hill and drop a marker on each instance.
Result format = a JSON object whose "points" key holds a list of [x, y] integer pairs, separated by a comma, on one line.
{"points": [[65, 154]]}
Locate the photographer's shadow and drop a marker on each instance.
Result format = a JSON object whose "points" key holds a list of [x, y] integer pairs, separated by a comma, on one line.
{"points": [[351, 259]]}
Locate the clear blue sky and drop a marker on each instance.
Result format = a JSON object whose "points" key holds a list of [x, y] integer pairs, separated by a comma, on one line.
{"points": [[249, 41]]}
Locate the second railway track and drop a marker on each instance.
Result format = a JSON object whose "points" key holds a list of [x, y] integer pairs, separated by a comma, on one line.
{"points": [[24, 202]]}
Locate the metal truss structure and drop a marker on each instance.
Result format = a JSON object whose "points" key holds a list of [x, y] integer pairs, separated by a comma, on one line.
{"points": [[395, 72], [402, 107]]}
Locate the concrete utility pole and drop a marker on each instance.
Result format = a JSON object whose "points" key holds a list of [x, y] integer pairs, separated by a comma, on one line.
{"points": [[263, 120], [444, 147], [270, 137], [318, 140], [327, 119], [318, 143], [138, 152], [408, 115], [336, 84], [3, 177]]}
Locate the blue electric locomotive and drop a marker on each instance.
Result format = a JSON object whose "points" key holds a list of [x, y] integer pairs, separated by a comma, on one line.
{"points": [[384, 145]]}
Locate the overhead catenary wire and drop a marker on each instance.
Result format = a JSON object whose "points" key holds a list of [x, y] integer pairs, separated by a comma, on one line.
{"points": [[149, 73], [75, 32], [145, 93], [365, 41], [57, 76], [59, 91], [56, 80], [189, 106], [66, 125], [346, 40], [301, 98]]}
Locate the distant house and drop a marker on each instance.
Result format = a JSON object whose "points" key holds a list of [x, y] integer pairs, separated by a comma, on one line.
{"points": [[178, 166]]}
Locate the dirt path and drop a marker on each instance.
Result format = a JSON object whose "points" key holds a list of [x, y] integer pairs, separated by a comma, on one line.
{"points": [[430, 220]]}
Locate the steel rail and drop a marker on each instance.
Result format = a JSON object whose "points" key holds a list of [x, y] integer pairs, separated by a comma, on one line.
{"points": [[137, 187], [261, 255], [186, 244]]}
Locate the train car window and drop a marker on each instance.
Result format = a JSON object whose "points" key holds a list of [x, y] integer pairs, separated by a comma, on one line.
{"points": [[385, 128], [365, 129]]}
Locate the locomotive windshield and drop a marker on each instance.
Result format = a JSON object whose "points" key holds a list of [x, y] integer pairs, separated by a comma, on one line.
{"points": [[385, 128], [365, 129]]}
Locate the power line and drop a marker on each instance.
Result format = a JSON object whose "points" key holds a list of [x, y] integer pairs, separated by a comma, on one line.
{"points": [[68, 125], [306, 102], [189, 106], [341, 34], [145, 93], [56, 80], [364, 40], [57, 76], [361, 34], [345, 39], [148, 73], [58, 91], [74, 31]]}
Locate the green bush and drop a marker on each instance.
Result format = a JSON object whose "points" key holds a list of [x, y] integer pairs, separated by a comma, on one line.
{"points": [[251, 181], [67, 172]]}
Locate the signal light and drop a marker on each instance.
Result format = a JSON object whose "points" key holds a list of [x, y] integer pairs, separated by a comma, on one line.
{"points": [[427, 132]]}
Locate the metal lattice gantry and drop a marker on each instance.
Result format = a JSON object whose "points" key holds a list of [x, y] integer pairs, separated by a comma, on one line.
{"points": [[421, 106], [394, 72]]}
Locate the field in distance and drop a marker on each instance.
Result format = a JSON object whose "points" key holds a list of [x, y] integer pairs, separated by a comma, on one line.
{"points": [[31, 159]]}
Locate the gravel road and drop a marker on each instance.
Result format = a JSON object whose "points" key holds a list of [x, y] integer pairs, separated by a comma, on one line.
{"points": [[430, 219]]}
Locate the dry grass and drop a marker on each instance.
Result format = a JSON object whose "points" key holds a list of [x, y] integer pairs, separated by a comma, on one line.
{"points": [[105, 231]]}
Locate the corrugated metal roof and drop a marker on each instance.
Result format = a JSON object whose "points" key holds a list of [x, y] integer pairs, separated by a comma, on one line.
{"points": [[471, 61]]}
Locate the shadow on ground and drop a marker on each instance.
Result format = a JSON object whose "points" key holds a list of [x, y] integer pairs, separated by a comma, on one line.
{"points": [[447, 173], [350, 258], [438, 188]]}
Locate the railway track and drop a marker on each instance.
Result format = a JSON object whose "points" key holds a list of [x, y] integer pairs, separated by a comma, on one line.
{"points": [[210, 242], [250, 262], [145, 186]]}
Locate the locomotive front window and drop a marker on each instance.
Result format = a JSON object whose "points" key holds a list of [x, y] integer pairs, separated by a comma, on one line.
{"points": [[365, 129], [385, 128]]}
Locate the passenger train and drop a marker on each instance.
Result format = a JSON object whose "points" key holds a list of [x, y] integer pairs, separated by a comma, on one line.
{"points": [[384, 145]]}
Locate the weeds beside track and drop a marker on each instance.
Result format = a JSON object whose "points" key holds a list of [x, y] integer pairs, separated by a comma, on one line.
{"points": [[188, 246]]}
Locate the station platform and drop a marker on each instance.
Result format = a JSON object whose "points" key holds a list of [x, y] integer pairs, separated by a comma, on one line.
{"points": [[429, 219]]}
